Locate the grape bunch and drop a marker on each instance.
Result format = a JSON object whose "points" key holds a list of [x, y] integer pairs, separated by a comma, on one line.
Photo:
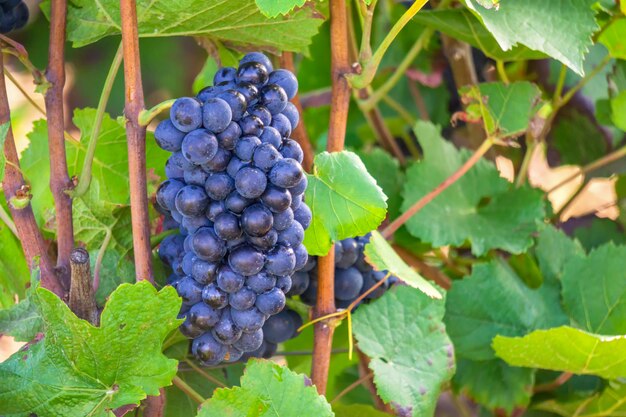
{"points": [[235, 190], [13, 15], [353, 275]]}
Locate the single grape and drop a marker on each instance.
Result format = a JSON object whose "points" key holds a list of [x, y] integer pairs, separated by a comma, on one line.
{"points": [[166, 193], [338, 253], [282, 124], [195, 176], [300, 188], [296, 201], [214, 297], [199, 146], [265, 242], [235, 165], [256, 220], [281, 260], [249, 320], [233, 354], [286, 173], [176, 166], [214, 209], [228, 137], [291, 149], [249, 91], [309, 296], [236, 101], [291, 112], [262, 113], [253, 73], [369, 282], [191, 201], [192, 224], [249, 342], [206, 93], [303, 215], [189, 330], [250, 182], [244, 149], [246, 260], [204, 272], [251, 125], [236, 203], [350, 253], [186, 114], [286, 80], [203, 316], [216, 115], [228, 280], [219, 162], [299, 283], [208, 350], [224, 74], [265, 156], [219, 185], [242, 299], [189, 290], [227, 226], [168, 137], [273, 97], [261, 282], [271, 136], [207, 246], [302, 256], [291, 236], [226, 331], [171, 248], [284, 283], [348, 283], [257, 57], [283, 219], [280, 327]]}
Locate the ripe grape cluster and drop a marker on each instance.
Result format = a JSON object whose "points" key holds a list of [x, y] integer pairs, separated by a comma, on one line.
{"points": [[13, 15], [235, 189], [353, 275]]}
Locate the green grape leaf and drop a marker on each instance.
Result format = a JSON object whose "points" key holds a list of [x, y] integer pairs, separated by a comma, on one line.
{"points": [[411, 355], [481, 207], [507, 307], [565, 349], [386, 170], [4, 131], [554, 251], [115, 269], [23, 320], [618, 110], [577, 139], [345, 201], [505, 110], [494, 384], [613, 38], [273, 8], [357, 410], [598, 232], [594, 290], [235, 22], [382, 257], [611, 402], [561, 30], [14, 267], [78, 369], [266, 390], [461, 24]]}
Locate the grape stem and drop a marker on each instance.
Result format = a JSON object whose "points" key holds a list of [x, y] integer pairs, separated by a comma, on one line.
{"points": [[340, 103], [60, 181], [13, 185], [136, 138], [206, 375], [146, 116], [388, 231], [352, 386], [184, 387], [85, 175]]}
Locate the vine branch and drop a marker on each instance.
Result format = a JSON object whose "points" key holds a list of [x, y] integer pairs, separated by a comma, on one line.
{"points": [[14, 186], [136, 138], [60, 181]]}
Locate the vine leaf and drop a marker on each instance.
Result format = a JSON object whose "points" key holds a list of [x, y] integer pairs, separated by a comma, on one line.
{"points": [[481, 207], [613, 38], [266, 390], [79, 369], [411, 354], [273, 8], [14, 276], [594, 290], [494, 384], [565, 349], [505, 110], [345, 201], [235, 22], [360, 410], [4, 131], [507, 307], [461, 24], [561, 30], [608, 403], [386, 170], [382, 257], [554, 251], [23, 320]]}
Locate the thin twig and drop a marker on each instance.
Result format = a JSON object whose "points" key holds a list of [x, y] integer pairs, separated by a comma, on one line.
{"points": [[14, 186], [364, 369], [60, 181], [136, 137], [206, 375], [504, 77], [146, 116], [8, 221], [429, 272], [85, 174], [300, 134], [551, 386], [352, 386], [184, 387], [397, 223], [523, 171], [24, 92]]}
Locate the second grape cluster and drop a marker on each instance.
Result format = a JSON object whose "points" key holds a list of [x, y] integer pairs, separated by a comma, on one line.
{"points": [[235, 190]]}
